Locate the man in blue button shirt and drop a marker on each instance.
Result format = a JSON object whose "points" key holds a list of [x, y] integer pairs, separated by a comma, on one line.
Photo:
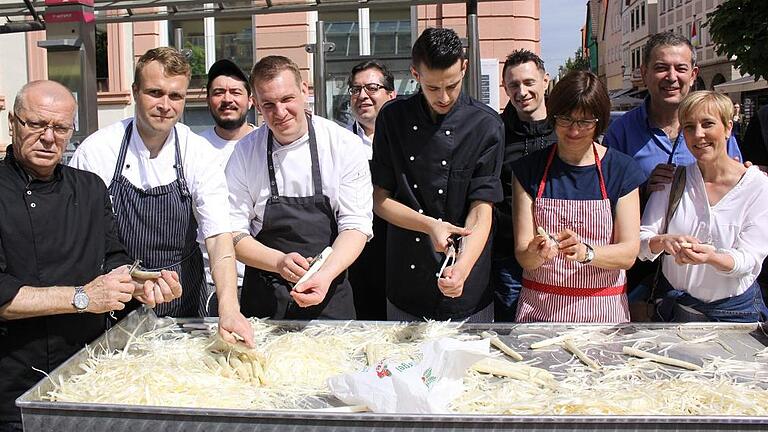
{"points": [[651, 132]]}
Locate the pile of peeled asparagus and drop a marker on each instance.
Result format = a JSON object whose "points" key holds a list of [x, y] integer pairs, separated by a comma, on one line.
{"points": [[289, 369]]}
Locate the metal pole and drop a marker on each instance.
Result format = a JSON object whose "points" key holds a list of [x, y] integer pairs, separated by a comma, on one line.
{"points": [[414, 24], [473, 42], [178, 36], [88, 91], [318, 63]]}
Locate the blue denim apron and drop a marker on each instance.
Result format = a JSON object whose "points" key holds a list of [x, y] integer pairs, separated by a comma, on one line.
{"points": [[679, 306]]}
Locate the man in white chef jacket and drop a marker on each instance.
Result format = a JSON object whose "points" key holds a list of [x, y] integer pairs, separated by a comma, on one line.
{"points": [[297, 185], [163, 188]]}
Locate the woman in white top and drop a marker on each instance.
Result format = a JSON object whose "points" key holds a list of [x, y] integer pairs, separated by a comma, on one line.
{"points": [[717, 237]]}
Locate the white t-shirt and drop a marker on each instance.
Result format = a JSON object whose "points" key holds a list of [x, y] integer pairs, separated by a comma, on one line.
{"points": [[343, 165], [736, 225], [205, 180], [223, 149]]}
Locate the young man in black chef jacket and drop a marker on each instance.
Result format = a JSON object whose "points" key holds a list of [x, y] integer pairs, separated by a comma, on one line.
{"points": [[436, 166]]}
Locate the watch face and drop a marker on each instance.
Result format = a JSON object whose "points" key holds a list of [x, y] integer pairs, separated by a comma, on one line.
{"points": [[80, 301]]}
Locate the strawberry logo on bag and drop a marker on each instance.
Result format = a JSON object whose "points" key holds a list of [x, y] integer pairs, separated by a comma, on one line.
{"points": [[382, 370]]}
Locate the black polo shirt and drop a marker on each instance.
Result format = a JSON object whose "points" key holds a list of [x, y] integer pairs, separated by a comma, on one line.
{"points": [[437, 168], [57, 232]]}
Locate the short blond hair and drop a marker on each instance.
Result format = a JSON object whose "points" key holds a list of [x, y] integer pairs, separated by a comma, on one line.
{"points": [[174, 63], [270, 67], [717, 103]]}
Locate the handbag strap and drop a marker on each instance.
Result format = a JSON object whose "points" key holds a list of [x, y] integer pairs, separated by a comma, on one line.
{"points": [[675, 194]]}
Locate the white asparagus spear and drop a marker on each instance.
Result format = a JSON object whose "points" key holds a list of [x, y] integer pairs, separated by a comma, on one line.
{"points": [[568, 345], [542, 232], [550, 341], [145, 274], [517, 371], [316, 264], [686, 245], [495, 341], [660, 359]]}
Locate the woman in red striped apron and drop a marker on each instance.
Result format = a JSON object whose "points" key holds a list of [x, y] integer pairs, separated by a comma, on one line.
{"points": [[577, 214]]}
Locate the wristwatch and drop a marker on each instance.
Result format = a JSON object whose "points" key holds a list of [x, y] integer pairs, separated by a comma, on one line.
{"points": [[80, 300], [589, 255]]}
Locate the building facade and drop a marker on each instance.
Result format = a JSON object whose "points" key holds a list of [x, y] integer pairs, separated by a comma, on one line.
{"points": [[357, 33], [687, 17], [641, 18]]}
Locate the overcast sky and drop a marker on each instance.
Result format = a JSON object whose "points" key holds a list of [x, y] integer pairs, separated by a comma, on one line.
{"points": [[561, 21]]}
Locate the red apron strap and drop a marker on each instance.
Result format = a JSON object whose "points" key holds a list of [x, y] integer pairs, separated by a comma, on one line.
{"points": [[543, 181], [574, 292], [599, 164]]}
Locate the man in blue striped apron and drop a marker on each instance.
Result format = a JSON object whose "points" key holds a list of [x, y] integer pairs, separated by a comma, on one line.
{"points": [[164, 188], [297, 185]]}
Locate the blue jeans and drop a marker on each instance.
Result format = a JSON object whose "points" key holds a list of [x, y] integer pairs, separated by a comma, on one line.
{"points": [[507, 280], [746, 307]]}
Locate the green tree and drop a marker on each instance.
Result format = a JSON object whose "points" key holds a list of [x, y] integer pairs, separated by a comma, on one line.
{"points": [[738, 26], [577, 62]]}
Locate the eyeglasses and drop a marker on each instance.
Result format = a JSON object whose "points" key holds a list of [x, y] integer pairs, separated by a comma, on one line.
{"points": [[60, 131], [566, 122], [370, 88]]}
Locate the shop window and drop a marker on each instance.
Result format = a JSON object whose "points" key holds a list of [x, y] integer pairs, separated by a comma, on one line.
{"points": [[193, 42], [102, 58], [234, 41]]}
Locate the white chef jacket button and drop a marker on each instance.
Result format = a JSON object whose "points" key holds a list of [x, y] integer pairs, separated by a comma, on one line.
{"points": [[29, 192], [33, 205], [447, 132], [415, 127], [413, 266], [443, 163], [421, 211], [439, 191], [412, 158], [418, 239], [415, 186]]}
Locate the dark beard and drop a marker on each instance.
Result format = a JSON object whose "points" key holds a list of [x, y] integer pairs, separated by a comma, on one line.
{"points": [[230, 124]]}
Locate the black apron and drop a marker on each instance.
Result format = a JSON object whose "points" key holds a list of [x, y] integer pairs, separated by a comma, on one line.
{"points": [[158, 227], [306, 225]]}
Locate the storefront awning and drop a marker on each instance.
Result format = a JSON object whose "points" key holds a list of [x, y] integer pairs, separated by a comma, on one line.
{"points": [[157, 10], [743, 84]]}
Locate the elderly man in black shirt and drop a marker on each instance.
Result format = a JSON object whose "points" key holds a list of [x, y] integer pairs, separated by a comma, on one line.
{"points": [[57, 241]]}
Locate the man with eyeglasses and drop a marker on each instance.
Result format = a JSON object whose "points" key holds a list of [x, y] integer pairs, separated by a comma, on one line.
{"points": [[526, 130], [61, 262], [436, 163], [228, 96], [371, 85], [164, 188]]}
